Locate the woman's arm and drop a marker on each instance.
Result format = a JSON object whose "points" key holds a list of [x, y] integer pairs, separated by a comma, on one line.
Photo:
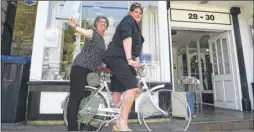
{"points": [[126, 28], [86, 33], [127, 44]]}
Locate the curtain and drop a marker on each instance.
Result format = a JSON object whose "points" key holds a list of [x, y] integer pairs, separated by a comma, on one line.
{"points": [[151, 44]]}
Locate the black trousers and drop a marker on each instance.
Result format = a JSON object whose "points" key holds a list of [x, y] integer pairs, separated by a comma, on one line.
{"points": [[77, 85]]}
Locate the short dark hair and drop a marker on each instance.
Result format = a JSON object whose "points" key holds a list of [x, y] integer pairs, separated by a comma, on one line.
{"points": [[135, 6], [98, 18]]}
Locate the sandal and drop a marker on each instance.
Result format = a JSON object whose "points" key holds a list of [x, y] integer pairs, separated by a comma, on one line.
{"points": [[119, 127]]}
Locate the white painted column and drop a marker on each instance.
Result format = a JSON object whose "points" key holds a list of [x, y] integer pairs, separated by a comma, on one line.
{"points": [[199, 65], [248, 50], [188, 60], [163, 41], [39, 40]]}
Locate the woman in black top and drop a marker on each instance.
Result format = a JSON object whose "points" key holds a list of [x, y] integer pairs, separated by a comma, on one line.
{"points": [[122, 56], [85, 62]]}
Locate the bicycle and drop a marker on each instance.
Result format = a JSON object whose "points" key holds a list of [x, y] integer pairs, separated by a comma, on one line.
{"points": [[98, 108]]}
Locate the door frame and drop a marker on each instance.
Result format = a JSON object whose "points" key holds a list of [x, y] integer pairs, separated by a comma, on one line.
{"points": [[209, 28]]}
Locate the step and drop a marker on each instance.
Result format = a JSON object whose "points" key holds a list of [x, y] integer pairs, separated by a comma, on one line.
{"points": [[221, 125], [230, 125]]}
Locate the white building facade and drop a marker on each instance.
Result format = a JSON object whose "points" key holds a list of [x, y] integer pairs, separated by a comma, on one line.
{"points": [[160, 19]]}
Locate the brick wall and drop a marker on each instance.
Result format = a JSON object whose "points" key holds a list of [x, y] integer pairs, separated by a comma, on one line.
{"points": [[24, 25], [4, 6]]}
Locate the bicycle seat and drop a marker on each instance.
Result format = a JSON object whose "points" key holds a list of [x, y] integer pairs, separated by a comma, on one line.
{"points": [[104, 69]]}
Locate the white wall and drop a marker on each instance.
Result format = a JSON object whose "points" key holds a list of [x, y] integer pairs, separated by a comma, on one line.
{"points": [[245, 20], [204, 7], [164, 41]]}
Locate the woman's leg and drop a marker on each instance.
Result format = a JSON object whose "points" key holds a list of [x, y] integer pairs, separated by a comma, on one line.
{"points": [[127, 79], [129, 97], [116, 97], [77, 85]]}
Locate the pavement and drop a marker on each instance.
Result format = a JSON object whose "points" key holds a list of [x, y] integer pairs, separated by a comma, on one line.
{"points": [[24, 127]]}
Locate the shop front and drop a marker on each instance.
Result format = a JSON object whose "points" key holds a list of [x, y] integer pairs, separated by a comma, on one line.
{"points": [[56, 45], [182, 38], [212, 42]]}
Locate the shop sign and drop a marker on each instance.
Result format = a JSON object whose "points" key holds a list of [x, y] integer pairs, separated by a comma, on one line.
{"points": [[196, 16], [30, 2]]}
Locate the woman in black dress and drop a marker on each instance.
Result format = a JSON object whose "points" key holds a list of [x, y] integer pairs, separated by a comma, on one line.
{"points": [[122, 57]]}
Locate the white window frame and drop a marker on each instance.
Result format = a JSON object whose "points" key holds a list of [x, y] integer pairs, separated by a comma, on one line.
{"points": [[164, 42], [39, 40]]}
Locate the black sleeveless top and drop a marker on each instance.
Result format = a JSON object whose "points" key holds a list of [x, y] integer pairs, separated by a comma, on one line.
{"points": [[91, 54]]}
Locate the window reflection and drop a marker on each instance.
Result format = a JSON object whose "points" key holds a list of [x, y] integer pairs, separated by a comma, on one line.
{"points": [[57, 60], [113, 10]]}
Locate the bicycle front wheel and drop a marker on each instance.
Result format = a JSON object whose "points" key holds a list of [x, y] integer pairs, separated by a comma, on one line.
{"points": [[162, 116]]}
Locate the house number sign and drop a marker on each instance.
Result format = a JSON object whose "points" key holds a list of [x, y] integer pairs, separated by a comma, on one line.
{"points": [[182, 15]]}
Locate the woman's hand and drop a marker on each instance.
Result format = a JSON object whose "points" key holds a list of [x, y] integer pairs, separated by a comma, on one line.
{"points": [[134, 64], [87, 33], [72, 22]]}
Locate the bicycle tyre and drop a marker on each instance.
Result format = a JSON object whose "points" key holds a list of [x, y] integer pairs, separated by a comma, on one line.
{"points": [[154, 125], [66, 100]]}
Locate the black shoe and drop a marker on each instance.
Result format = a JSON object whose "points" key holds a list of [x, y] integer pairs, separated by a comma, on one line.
{"points": [[87, 127]]}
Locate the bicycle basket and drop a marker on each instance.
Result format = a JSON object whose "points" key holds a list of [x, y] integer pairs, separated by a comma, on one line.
{"points": [[88, 108]]}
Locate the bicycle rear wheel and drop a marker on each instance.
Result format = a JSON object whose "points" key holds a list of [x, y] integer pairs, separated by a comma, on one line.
{"points": [[96, 120], [155, 120]]}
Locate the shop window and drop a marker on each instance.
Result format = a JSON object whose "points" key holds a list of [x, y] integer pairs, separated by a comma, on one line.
{"points": [[57, 60], [151, 47]]}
